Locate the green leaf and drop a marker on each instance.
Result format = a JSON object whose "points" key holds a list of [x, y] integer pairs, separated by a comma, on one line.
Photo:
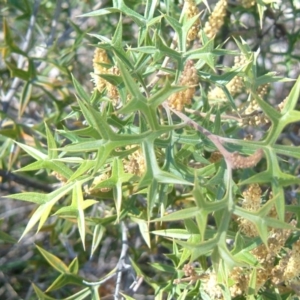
{"points": [[269, 78], [206, 54], [179, 30], [37, 198], [292, 151], [150, 10], [174, 233], [144, 229], [98, 233], [25, 97], [77, 203], [7, 238], [131, 85], [54, 261], [81, 295], [126, 297], [63, 280], [164, 93], [182, 214], [136, 17], [101, 12], [19, 73], [33, 152], [8, 38], [74, 265], [41, 295], [52, 152], [221, 79], [96, 120], [80, 91], [292, 98], [46, 203]]}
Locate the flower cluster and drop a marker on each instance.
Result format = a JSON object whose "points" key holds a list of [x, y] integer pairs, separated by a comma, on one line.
{"points": [[286, 270], [281, 105], [99, 61], [97, 180], [135, 164], [253, 115], [212, 288], [251, 202], [216, 19], [267, 257], [255, 120], [262, 90], [59, 177], [241, 280], [234, 86], [191, 10], [190, 79], [247, 3]]}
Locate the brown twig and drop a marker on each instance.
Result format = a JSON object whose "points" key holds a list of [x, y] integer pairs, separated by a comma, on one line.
{"points": [[211, 117], [233, 160]]}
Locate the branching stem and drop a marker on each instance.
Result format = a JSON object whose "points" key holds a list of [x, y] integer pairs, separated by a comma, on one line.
{"points": [[233, 160]]}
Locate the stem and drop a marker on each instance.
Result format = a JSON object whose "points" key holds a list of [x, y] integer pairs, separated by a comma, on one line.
{"points": [[121, 263]]}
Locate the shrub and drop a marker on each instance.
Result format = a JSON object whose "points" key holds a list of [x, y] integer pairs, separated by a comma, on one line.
{"points": [[176, 166]]}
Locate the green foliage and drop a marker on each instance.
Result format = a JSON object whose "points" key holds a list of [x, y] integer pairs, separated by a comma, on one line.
{"points": [[135, 161]]}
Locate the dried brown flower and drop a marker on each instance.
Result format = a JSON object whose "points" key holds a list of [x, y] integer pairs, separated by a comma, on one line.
{"points": [[241, 279], [215, 157], [242, 162]]}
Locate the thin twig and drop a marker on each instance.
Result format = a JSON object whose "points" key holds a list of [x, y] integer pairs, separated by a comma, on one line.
{"points": [[11, 293], [211, 117], [121, 266], [136, 284], [121, 263], [54, 23], [6, 98], [214, 138], [233, 160], [25, 181], [42, 64]]}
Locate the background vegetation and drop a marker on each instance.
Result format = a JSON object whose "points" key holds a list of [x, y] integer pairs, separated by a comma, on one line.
{"points": [[173, 173]]}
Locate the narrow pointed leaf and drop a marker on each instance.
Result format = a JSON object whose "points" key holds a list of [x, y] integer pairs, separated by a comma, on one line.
{"points": [[54, 261]]}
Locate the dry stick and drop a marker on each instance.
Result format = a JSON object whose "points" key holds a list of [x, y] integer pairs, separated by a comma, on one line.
{"points": [[136, 284]]}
